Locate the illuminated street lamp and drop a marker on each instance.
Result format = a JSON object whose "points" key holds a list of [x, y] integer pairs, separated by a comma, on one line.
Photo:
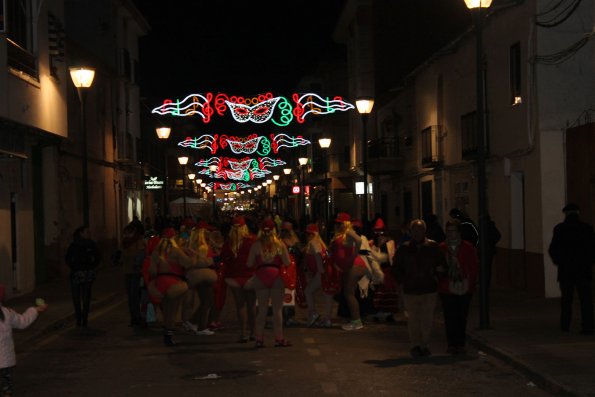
{"points": [[325, 143], [364, 107], [476, 7], [183, 160], [163, 133], [82, 78]]}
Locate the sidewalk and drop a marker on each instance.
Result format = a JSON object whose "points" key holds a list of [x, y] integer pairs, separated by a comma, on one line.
{"points": [[523, 331]]}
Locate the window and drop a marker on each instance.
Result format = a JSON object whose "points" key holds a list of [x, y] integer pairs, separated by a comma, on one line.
{"points": [[515, 74], [19, 30], [429, 145]]}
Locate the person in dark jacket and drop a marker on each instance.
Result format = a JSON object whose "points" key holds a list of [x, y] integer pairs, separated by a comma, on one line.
{"points": [[493, 236], [434, 230], [468, 229], [83, 258], [572, 250], [419, 264]]}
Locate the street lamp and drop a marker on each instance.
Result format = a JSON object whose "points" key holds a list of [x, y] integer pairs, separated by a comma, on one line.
{"points": [[325, 143], [163, 133], [82, 78], [183, 160], [364, 107], [476, 7], [192, 176]]}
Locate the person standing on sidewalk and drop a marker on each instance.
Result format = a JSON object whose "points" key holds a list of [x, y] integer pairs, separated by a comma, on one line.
{"points": [[133, 254], [572, 250], [10, 319], [457, 285], [419, 264], [83, 258]]}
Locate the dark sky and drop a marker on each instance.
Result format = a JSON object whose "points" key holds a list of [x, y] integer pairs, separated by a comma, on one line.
{"points": [[235, 47]]}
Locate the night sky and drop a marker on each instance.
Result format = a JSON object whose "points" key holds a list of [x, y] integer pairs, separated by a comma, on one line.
{"points": [[239, 48]]}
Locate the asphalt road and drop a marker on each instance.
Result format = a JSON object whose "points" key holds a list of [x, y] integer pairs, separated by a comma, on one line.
{"points": [[114, 360]]}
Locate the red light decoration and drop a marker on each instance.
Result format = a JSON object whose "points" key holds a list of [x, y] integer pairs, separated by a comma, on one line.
{"points": [[258, 109]]}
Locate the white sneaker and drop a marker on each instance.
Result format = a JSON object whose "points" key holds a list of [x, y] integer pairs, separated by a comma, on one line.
{"points": [[353, 325], [189, 327], [205, 331]]}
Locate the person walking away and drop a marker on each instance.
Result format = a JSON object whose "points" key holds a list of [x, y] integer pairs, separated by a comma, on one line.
{"points": [[201, 281], [83, 258], [468, 229], [572, 250], [234, 256], [419, 262], [267, 255], [315, 254], [10, 319], [168, 268], [457, 285], [133, 252], [344, 247], [493, 237], [386, 296]]}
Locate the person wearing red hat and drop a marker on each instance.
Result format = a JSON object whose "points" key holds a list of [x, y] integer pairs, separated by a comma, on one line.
{"points": [[267, 255], [315, 255], [10, 319], [169, 264], [234, 256], [201, 282], [345, 247], [386, 296]]}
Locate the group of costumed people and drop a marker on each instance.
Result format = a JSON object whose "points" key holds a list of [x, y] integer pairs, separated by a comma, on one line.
{"points": [[257, 265]]}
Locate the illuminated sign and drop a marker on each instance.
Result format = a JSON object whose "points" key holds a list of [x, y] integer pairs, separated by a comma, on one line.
{"points": [[258, 109], [295, 189], [152, 183]]}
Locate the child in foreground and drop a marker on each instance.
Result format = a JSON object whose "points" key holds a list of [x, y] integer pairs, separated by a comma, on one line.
{"points": [[10, 319]]}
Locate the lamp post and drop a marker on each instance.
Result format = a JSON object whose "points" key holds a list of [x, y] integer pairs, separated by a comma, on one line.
{"points": [[82, 78], [325, 143], [364, 107], [303, 161], [476, 7], [213, 168], [163, 133], [183, 160]]}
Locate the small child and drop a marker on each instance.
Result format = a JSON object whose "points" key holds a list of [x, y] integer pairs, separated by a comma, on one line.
{"points": [[10, 319]]}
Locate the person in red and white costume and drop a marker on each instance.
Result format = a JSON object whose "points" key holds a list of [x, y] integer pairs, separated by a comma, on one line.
{"points": [[314, 254]]}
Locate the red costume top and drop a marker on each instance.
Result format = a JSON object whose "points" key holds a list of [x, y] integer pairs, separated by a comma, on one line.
{"points": [[466, 255]]}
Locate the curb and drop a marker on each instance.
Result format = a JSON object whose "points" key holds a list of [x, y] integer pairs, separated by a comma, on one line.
{"points": [[531, 373]]}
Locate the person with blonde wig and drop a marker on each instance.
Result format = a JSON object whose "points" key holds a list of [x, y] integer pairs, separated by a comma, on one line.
{"points": [[201, 281], [268, 255], [314, 254], [345, 247], [234, 256], [168, 266]]}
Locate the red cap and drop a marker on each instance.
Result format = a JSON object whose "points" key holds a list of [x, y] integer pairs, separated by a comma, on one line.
{"points": [[343, 217], [203, 225], [169, 232], [268, 224], [312, 228], [379, 225], [239, 221]]}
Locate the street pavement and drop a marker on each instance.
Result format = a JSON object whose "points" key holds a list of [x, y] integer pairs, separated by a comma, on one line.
{"points": [[522, 331]]}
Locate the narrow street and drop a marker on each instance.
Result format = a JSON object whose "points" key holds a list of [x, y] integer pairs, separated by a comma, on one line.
{"points": [[111, 359]]}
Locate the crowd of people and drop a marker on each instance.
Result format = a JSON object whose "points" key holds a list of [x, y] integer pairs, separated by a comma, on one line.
{"points": [[184, 271]]}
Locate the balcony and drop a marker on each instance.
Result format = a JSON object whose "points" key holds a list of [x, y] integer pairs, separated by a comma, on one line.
{"points": [[384, 157], [21, 59]]}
